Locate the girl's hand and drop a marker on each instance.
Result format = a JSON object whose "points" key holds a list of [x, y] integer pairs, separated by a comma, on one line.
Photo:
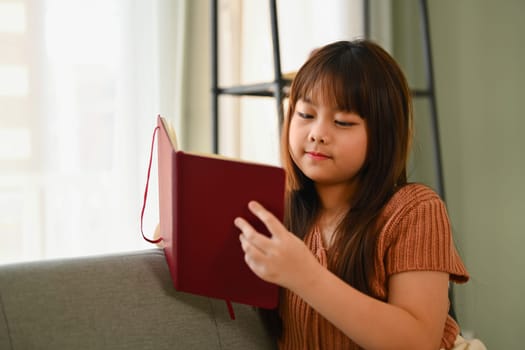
{"points": [[283, 258]]}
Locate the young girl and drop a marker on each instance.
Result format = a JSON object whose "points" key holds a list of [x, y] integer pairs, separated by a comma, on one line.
{"points": [[364, 258]]}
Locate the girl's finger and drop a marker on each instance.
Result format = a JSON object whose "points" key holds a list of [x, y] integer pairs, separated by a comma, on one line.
{"points": [[250, 249], [260, 241], [254, 258], [273, 224]]}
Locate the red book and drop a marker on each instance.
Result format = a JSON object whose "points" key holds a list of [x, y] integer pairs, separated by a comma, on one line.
{"points": [[199, 197]]}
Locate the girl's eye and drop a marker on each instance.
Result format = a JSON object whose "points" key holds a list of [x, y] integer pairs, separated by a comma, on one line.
{"points": [[304, 115], [341, 123]]}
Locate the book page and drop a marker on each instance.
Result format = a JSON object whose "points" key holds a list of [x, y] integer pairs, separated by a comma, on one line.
{"points": [[171, 133], [173, 139]]}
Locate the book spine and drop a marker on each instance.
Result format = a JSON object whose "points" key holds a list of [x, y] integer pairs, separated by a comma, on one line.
{"points": [[176, 196]]}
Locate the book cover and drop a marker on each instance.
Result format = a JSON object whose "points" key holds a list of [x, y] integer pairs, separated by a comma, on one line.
{"points": [[199, 197]]}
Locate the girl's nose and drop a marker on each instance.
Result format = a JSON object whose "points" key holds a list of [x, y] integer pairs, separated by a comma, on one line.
{"points": [[317, 138], [319, 132]]}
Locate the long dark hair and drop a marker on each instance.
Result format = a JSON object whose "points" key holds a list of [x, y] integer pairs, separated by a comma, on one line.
{"points": [[361, 77], [355, 76]]}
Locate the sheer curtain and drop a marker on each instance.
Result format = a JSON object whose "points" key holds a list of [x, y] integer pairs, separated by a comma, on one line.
{"points": [[79, 93]]}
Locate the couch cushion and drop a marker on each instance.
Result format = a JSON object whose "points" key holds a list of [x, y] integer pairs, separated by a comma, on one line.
{"points": [[121, 301], [4, 331]]}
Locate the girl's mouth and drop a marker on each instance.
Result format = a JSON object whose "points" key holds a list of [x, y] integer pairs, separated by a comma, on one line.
{"points": [[317, 155]]}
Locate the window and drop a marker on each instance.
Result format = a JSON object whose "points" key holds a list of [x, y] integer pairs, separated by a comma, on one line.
{"points": [[78, 99]]}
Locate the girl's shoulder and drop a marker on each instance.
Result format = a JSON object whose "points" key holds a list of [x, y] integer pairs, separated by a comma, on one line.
{"points": [[416, 235], [408, 197], [415, 192]]}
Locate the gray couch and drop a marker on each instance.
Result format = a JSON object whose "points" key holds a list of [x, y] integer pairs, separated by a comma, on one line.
{"points": [[120, 301]]}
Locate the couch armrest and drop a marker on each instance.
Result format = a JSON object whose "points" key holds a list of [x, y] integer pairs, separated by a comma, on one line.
{"points": [[120, 301]]}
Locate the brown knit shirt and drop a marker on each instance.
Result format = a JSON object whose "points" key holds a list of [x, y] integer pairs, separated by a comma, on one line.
{"points": [[416, 237]]}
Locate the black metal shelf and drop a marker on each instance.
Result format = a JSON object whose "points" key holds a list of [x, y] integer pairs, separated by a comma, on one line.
{"points": [[278, 88], [258, 89]]}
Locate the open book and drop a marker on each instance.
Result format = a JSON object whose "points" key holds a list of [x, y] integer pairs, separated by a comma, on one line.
{"points": [[199, 197]]}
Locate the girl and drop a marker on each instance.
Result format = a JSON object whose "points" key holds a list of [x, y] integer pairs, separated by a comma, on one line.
{"points": [[364, 258]]}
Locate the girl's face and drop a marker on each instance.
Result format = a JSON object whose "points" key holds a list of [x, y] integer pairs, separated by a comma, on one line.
{"points": [[327, 144]]}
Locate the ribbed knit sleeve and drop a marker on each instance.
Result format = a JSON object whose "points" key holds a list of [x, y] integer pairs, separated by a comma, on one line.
{"points": [[421, 239], [417, 236]]}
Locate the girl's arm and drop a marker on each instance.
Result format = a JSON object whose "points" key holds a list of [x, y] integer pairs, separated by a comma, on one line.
{"points": [[413, 318]]}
